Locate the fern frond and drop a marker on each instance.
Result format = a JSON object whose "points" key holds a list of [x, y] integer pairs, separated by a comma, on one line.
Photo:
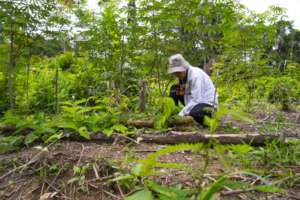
{"points": [[170, 165], [212, 189], [167, 108]]}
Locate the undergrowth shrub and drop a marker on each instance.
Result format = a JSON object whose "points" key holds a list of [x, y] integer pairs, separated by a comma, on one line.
{"points": [[65, 60], [283, 90], [42, 95], [166, 109]]}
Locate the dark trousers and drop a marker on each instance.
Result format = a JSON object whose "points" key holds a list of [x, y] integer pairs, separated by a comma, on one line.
{"points": [[198, 112]]}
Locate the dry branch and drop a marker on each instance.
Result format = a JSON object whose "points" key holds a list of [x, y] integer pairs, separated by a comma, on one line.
{"points": [[178, 137], [194, 137], [149, 123], [187, 137]]}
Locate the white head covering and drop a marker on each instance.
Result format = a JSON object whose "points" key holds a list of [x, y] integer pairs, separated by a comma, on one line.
{"points": [[177, 63]]}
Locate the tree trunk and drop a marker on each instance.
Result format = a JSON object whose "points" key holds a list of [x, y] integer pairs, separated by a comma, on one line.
{"points": [[143, 96], [56, 91], [10, 70], [208, 66], [27, 79]]}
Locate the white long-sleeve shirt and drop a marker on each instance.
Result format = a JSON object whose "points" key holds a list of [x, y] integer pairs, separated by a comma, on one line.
{"points": [[199, 88]]}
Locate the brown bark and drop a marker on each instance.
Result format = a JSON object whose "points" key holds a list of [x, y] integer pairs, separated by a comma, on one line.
{"points": [[149, 123], [169, 138], [143, 96], [208, 66], [187, 137], [7, 130], [192, 137], [10, 70]]}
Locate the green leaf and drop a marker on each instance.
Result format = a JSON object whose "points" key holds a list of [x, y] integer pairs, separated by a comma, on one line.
{"points": [[168, 193], [119, 128], [10, 143], [30, 138], [77, 170], [54, 137], [211, 123], [141, 195], [108, 131], [212, 189], [167, 109], [123, 177], [83, 132], [241, 148], [137, 169], [269, 188], [67, 125]]}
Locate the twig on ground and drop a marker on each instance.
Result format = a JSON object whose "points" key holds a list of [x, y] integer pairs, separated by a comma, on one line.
{"points": [[15, 190], [120, 190], [81, 154], [42, 189], [226, 187], [128, 138], [95, 168], [40, 155], [55, 178], [101, 179], [110, 194], [11, 183], [93, 186], [57, 190], [36, 158], [235, 192]]}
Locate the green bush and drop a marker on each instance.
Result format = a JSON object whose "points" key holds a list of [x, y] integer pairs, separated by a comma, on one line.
{"points": [[42, 96], [65, 60], [283, 90]]}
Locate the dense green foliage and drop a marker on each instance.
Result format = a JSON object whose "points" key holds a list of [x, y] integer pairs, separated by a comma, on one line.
{"points": [[126, 43]]}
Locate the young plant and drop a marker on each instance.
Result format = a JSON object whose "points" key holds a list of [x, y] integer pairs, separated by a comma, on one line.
{"points": [[167, 108], [80, 176], [215, 120]]}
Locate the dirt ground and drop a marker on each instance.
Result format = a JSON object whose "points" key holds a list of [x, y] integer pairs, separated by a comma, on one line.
{"points": [[32, 183], [29, 174]]}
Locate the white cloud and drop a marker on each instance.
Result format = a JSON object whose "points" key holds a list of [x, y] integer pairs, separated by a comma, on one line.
{"points": [[292, 7]]}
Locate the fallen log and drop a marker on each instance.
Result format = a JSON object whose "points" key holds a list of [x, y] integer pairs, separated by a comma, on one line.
{"points": [[183, 137], [173, 137], [192, 137], [7, 130], [149, 123]]}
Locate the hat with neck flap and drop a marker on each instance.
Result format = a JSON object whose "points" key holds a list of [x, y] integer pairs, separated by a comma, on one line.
{"points": [[177, 63]]}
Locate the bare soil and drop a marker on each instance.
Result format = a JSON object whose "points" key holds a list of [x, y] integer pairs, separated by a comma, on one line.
{"points": [[48, 177]]}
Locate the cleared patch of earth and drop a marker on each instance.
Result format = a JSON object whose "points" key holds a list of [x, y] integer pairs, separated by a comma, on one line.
{"points": [[51, 175]]}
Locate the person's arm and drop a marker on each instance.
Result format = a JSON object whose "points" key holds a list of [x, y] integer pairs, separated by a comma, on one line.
{"points": [[196, 89]]}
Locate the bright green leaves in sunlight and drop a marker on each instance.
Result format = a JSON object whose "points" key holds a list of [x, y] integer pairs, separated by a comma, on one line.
{"points": [[167, 108], [144, 194]]}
